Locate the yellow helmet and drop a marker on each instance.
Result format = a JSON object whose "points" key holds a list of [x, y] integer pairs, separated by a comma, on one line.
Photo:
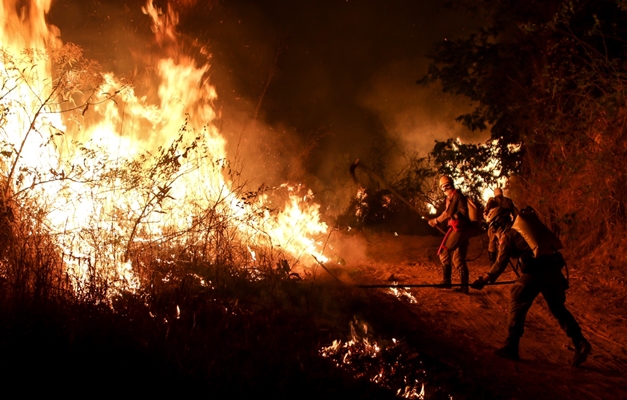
{"points": [[446, 182]]}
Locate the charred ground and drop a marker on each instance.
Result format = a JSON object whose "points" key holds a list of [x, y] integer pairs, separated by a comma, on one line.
{"points": [[252, 337], [463, 331]]}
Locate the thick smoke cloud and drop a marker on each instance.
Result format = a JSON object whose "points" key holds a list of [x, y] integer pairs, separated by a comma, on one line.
{"points": [[304, 88], [414, 117]]}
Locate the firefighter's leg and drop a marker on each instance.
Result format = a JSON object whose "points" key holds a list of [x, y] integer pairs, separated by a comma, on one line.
{"points": [[445, 259], [493, 245], [509, 349], [525, 290], [459, 261], [447, 250], [554, 292]]}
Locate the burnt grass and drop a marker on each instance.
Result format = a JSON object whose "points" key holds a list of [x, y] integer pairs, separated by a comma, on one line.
{"points": [[237, 339]]}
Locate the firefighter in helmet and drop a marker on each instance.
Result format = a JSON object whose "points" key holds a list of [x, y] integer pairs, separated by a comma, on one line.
{"points": [[454, 247], [541, 274], [499, 200]]}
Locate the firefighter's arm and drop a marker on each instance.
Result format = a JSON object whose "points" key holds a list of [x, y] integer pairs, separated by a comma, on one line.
{"points": [[442, 217], [451, 209], [483, 280], [498, 267], [515, 210]]}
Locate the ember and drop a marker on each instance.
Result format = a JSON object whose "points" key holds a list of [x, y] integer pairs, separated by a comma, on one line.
{"points": [[391, 365], [403, 293]]}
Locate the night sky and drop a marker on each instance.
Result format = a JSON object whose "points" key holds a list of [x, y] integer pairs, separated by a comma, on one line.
{"points": [[328, 80]]}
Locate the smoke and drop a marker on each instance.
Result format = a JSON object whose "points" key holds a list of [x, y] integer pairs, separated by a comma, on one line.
{"points": [[414, 116], [354, 249], [107, 31], [304, 88]]}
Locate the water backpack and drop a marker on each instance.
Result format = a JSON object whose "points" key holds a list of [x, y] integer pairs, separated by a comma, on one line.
{"points": [[474, 213], [538, 236]]}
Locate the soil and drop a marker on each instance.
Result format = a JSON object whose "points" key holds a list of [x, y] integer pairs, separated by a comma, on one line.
{"points": [[462, 331]]}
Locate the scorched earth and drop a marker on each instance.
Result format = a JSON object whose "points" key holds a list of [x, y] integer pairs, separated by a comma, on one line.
{"points": [[462, 331]]}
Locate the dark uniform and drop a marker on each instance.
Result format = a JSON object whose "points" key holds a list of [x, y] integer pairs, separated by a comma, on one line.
{"points": [[539, 275], [505, 203], [454, 247]]}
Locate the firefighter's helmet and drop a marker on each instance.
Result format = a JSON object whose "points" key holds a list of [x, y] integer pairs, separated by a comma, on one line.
{"points": [[446, 182]]}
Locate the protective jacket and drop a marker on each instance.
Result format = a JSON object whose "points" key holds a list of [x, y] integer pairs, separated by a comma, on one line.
{"points": [[454, 247], [540, 275], [512, 245], [456, 209], [503, 202]]}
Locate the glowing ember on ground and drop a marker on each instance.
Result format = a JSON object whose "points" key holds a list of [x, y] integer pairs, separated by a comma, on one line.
{"points": [[111, 170], [403, 293], [391, 365]]}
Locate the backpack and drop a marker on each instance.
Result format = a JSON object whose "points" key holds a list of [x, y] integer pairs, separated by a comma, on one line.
{"points": [[475, 214], [538, 236]]}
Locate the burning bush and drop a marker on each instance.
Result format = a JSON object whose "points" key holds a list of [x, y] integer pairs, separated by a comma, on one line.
{"points": [[30, 262], [103, 201]]}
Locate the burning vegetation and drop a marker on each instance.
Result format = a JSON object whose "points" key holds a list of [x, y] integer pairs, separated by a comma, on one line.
{"points": [[119, 199], [112, 176], [128, 235], [123, 209], [391, 365]]}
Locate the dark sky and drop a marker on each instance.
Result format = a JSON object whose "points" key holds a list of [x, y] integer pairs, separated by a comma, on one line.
{"points": [[329, 80]]}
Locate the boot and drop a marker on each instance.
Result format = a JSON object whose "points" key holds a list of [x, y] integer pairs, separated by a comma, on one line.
{"points": [[582, 349], [492, 256], [510, 350], [446, 276], [464, 277]]}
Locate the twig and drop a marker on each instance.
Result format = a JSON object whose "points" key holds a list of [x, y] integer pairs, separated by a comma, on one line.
{"points": [[326, 269]]}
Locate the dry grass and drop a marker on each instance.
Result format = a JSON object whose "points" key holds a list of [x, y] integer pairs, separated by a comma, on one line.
{"points": [[197, 323]]}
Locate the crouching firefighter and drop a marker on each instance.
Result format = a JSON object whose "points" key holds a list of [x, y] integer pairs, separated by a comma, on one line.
{"points": [[454, 247], [536, 247], [499, 200]]}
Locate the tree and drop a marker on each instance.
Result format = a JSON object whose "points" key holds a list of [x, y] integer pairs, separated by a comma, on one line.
{"points": [[549, 78]]}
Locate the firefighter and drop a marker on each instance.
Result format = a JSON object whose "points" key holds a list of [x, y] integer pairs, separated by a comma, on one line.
{"points": [[499, 200], [542, 274], [454, 247]]}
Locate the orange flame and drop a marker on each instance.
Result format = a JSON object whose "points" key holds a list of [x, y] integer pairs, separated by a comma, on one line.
{"points": [[171, 140]]}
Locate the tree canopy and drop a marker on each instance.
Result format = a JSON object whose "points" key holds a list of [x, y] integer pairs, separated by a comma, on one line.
{"points": [[549, 78]]}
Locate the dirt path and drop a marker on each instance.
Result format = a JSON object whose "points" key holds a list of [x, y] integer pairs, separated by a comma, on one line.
{"points": [[464, 330]]}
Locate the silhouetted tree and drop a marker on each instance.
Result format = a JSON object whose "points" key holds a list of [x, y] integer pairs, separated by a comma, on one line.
{"points": [[549, 80]]}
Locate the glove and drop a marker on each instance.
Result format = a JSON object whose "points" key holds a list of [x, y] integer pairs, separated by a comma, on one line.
{"points": [[479, 283], [433, 222]]}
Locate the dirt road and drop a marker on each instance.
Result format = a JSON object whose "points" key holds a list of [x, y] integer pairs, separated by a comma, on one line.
{"points": [[464, 330]]}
